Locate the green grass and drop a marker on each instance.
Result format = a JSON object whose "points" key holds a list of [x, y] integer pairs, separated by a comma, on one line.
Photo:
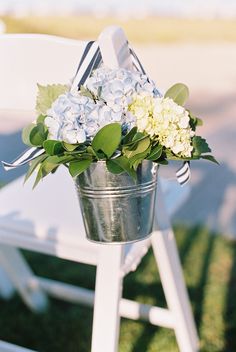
{"points": [[151, 30], [209, 264]]}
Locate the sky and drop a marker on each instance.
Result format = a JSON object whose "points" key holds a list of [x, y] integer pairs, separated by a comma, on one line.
{"points": [[135, 8]]}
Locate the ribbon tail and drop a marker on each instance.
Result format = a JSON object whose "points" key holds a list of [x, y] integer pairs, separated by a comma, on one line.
{"points": [[183, 174], [27, 156]]}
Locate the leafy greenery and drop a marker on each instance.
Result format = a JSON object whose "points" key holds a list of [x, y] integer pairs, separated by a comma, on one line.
{"points": [[122, 152], [77, 167], [107, 139], [47, 95], [209, 266]]}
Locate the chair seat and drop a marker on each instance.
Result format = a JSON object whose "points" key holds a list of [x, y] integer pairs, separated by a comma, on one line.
{"points": [[47, 216]]}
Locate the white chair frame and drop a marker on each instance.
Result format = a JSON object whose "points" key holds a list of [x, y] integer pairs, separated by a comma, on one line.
{"points": [[24, 226]]}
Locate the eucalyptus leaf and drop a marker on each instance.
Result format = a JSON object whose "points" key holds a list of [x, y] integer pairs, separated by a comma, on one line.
{"points": [[178, 92], [107, 139], [77, 167], [47, 95]]}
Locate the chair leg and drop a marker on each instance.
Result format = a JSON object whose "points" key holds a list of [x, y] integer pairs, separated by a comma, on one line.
{"points": [[106, 318], [6, 287], [168, 262], [22, 278]]}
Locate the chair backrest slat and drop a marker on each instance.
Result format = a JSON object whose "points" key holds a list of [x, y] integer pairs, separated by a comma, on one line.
{"points": [[28, 59], [114, 48]]}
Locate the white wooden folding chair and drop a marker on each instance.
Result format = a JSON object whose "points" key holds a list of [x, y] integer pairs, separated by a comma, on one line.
{"points": [[35, 220]]}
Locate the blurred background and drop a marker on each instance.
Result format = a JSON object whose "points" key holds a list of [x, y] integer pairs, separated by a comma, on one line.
{"points": [[193, 42]]}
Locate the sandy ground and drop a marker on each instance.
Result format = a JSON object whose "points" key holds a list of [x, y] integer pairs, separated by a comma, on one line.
{"points": [[209, 71]]}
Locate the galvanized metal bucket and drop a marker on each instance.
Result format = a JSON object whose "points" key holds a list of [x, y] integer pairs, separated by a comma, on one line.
{"points": [[117, 209]]}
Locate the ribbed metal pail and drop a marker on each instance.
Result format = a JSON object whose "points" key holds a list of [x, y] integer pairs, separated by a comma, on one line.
{"points": [[117, 209]]}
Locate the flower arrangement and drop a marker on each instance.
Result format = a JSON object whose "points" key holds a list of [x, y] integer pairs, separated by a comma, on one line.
{"points": [[117, 116]]}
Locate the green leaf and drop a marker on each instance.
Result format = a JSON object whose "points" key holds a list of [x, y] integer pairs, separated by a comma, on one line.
{"points": [[155, 153], [26, 134], [138, 158], [77, 167], [199, 121], [47, 95], [69, 147], [113, 167], [124, 164], [41, 118], [62, 159], [194, 121], [92, 152], [210, 158], [48, 167], [38, 135], [162, 162], [141, 146], [178, 92], [38, 177], [33, 165], [200, 146], [137, 163], [129, 136], [107, 139], [138, 136], [53, 147]]}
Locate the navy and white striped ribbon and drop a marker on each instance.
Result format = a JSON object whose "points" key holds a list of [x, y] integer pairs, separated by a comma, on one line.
{"points": [[91, 59], [24, 158], [183, 174]]}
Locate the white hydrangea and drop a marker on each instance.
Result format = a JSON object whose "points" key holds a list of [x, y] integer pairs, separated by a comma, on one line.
{"points": [[166, 120]]}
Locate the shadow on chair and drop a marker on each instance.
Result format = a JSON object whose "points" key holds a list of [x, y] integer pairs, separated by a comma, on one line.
{"points": [[10, 146]]}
